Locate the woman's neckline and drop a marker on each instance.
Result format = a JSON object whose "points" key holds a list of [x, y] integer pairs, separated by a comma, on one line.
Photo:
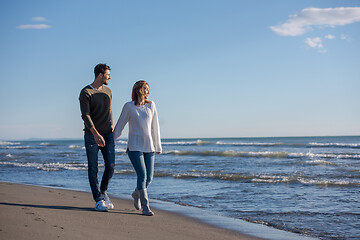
{"points": [[140, 105]]}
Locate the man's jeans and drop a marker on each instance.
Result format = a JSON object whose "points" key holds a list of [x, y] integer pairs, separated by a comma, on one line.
{"points": [[108, 153], [143, 164]]}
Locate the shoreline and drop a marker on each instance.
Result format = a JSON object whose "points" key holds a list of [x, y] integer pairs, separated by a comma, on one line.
{"points": [[32, 212], [37, 212]]}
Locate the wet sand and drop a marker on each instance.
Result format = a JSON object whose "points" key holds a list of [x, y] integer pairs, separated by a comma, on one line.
{"points": [[30, 212]]}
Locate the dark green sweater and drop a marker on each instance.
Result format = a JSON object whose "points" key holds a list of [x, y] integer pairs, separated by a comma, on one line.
{"points": [[95, 108]]}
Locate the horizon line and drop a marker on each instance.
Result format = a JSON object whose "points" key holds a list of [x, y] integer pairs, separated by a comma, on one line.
{"points": [[77, 139]]}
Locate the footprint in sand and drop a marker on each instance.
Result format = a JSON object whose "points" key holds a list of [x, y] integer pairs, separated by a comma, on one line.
{"points": [[39, 219], [58, 227]]}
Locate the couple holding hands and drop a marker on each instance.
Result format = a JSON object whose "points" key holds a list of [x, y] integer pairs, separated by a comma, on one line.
{"points": [[143, 139]]}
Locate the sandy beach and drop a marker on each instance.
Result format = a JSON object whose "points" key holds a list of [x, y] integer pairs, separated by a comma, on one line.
{"points": [[30, 212]]}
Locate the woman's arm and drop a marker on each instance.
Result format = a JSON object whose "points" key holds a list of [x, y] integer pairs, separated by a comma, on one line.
{"points": [[123, 119], [155, 130]]}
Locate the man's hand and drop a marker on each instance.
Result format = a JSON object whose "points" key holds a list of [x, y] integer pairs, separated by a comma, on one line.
{"points": [[98, 138]]}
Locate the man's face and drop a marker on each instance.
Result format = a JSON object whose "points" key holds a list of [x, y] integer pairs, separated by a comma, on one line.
{"points": [[106, 77]]}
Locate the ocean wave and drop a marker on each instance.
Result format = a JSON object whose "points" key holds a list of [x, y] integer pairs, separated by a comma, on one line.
{"points": [[183, 143], [212, 175], [121, 142], [260, 144], [131, 171], [15, 147], [332, 155], [265, 154], [304, 181], [9, 143], [337, 181], [49, 166], [124, 172], [47, 144], [120, 150], [329, 183], [336, 145], [279, 144], [77, 147], [320, 162], [229, 153], [261, 178]]}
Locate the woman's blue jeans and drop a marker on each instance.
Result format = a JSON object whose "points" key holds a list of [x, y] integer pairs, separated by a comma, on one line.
{"points": [[143, 164], [108, 152]]}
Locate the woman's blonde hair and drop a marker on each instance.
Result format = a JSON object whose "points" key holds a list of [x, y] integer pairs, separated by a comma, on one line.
{"points": [[137, 92]]}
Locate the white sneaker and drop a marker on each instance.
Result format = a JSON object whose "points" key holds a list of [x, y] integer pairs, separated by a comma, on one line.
{"points": [[108, 203], [100, 206]]}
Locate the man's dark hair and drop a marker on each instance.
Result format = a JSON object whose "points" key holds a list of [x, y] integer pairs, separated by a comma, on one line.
{"points": [[100, 68]]}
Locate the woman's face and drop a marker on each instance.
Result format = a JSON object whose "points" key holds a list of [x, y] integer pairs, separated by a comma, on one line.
{"points": [[146, 91]]}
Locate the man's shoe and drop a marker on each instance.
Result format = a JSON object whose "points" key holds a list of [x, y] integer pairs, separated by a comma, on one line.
{"points": [[108, 203], [100, 206]]}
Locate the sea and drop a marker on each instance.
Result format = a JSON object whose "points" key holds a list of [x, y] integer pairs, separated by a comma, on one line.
{"points": [[304, 185]]}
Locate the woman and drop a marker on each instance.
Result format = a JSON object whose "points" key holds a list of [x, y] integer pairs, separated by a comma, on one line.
{"points": [[143, 140]]}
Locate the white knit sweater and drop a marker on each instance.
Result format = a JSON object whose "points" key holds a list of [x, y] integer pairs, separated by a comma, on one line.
{"points": [[144, 131]]}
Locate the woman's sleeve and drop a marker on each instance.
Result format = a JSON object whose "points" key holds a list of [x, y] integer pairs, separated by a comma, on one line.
{"points": [[123, 119], [155, 130]]}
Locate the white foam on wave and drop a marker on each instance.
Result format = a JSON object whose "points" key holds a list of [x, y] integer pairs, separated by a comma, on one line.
{"points": [[302, 180], [351, 145], [265, 154], [120, 150], [124, 172], [261, 178], [121, 142], [77, 147], [320, 162], [248, 144], [223, 176], [230, 153], [47, 144], [328, 182], [16, 147], [9, 143], [333, 155], [195, 142], [49, 166]]}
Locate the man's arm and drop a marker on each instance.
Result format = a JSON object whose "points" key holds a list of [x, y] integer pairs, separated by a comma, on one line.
{"points": [[85, 115]]}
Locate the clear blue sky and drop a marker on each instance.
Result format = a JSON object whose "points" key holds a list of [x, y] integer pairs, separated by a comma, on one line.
{"points": [[223, 68]]}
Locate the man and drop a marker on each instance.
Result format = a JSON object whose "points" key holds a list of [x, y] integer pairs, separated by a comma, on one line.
{"points": [[95, 105]]}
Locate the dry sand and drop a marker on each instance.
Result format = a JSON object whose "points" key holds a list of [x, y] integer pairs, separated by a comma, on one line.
{"points": [[29, 212]]}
